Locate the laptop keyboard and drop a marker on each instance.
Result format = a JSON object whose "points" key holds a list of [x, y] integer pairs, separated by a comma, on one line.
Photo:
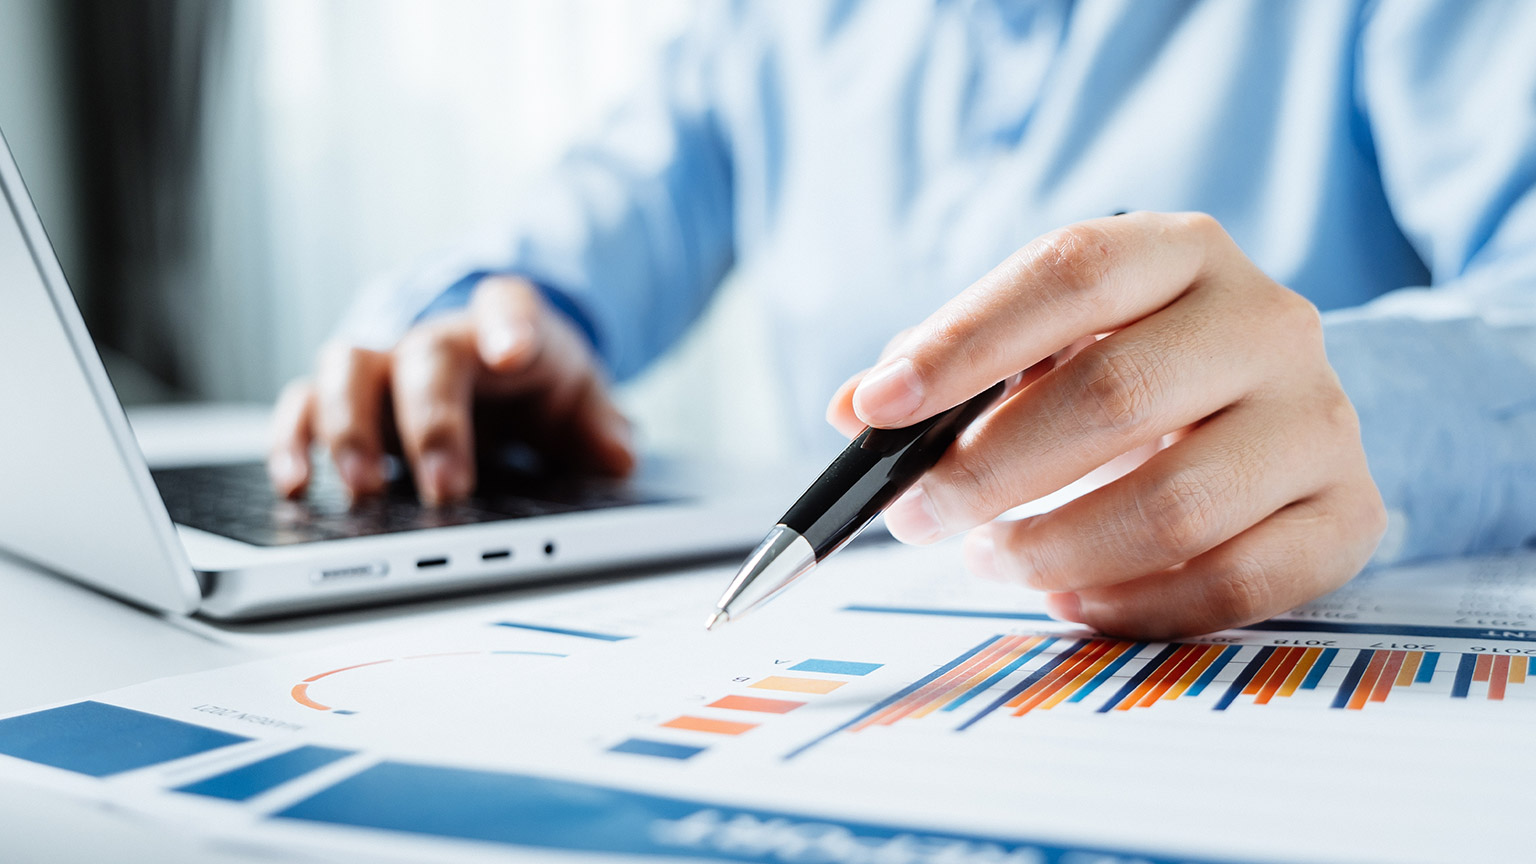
{"points": [[237, 501]]}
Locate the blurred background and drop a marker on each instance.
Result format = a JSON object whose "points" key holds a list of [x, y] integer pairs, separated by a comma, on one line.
{"points": [[220, 176]]}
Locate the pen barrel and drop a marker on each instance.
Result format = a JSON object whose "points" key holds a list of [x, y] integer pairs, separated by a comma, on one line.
{"points": [[873, 470]]}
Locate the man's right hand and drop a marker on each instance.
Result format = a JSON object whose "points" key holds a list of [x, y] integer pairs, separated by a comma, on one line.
{"points": [[530, 372]]}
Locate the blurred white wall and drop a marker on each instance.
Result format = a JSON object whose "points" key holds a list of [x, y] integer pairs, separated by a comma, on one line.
{"points": [[349, 137]]}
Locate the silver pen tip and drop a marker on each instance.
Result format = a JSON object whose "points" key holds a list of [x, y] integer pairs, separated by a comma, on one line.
{"points": [[719, 616]]}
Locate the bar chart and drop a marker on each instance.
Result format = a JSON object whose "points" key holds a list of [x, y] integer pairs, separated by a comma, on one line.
{"points": [[735, 714]]}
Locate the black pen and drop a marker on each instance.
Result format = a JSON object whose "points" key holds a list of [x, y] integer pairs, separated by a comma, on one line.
{"points": [[871, 472]]}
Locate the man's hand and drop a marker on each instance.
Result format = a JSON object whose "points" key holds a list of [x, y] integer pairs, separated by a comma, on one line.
{"points": [[1254, 496], [533, 375]]}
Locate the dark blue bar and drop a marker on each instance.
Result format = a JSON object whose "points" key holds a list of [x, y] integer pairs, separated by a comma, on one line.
{"points": [[1029, 680], [1262, 626], [562, 631], [897, 697], [1427, 667], [1000, 675], [1464, 672], [1213, 670], [1141, 675], [540, 813], [99, 740], [1248, 672], [1352, 678], [248, 781], [663, 749], [1107, 673], [1319, 669], [836, 667]]}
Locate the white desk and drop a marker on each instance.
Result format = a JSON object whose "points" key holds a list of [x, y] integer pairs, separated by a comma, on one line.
{"points": [[60, 641]]}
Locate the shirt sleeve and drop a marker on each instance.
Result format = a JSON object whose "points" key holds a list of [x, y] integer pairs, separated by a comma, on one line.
{"points": [[630, 235], [1443, 376]]}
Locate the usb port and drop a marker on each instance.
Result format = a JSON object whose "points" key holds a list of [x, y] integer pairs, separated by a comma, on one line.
{"points": [[425, 563], [495, 554]]}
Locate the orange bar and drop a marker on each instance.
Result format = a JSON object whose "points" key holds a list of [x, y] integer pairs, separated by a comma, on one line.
{"points": [[797, 685], [300, 695], [1193, 675], [976, 679], [916, 700], [1171, 678], [1367, 681], [1388, 676], [1299, 674], [1068, 661], [709, 724], [1086, 675], [1258, 681], [344, 669], [1483, 667], [1518, 669], [1499, 677], [1059, 677], [1267, 692], [753, 703], [1152, 680], [1410, 668]]}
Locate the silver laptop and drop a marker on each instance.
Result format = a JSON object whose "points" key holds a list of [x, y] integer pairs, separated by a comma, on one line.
{"points": [[77, 497]]}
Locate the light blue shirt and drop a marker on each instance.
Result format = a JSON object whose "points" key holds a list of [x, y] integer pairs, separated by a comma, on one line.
{"points": [[865, 161]]}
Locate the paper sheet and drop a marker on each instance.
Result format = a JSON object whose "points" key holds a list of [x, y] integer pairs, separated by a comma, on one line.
{"points": [[893, 710]]}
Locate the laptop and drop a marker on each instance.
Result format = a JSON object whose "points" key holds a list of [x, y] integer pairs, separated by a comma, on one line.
{"points": [[77, 497]]}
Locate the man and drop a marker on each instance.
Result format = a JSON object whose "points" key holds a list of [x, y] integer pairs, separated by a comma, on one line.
{"points": [[865, 161]]}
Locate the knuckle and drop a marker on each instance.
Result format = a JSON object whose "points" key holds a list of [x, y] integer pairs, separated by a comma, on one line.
{"points": [[1118, 396], [974, 488], [1077, 259], [1180, 514], [1239, 593], [1200, 224]]}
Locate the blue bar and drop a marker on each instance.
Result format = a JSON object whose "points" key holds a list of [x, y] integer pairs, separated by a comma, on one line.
{"points": [[1464, 672], [1000, 675], [663, 749], [1107, 673], [1427, 667], [896, 697], [562, 631], [99, 740], [836, 667], [1141, 675], [248, 781], [1248, 672], [1319, 669], [1352, 678], [518, 810], [1262, 626], [1213, 670]]}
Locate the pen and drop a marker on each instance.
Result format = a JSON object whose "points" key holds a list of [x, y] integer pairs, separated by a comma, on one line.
{"points": [[871, 472]]}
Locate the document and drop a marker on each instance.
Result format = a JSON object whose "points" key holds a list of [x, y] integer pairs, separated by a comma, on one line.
{"points": [[892, 710]]}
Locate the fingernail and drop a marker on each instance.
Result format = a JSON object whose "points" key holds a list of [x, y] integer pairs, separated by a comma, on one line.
{"points": [[502, 342], [912, 518], [442, 479], [1065, 606], [889, 394], [285, 469], [980, 554], [358, 472]]}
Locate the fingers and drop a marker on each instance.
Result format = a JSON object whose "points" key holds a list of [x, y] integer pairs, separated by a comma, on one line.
{"points": [[1221, 479], [350, 386], [840, 409], [435, 367], [1092, 277], [1126, 391], [1305, 550], [288, 463]]}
